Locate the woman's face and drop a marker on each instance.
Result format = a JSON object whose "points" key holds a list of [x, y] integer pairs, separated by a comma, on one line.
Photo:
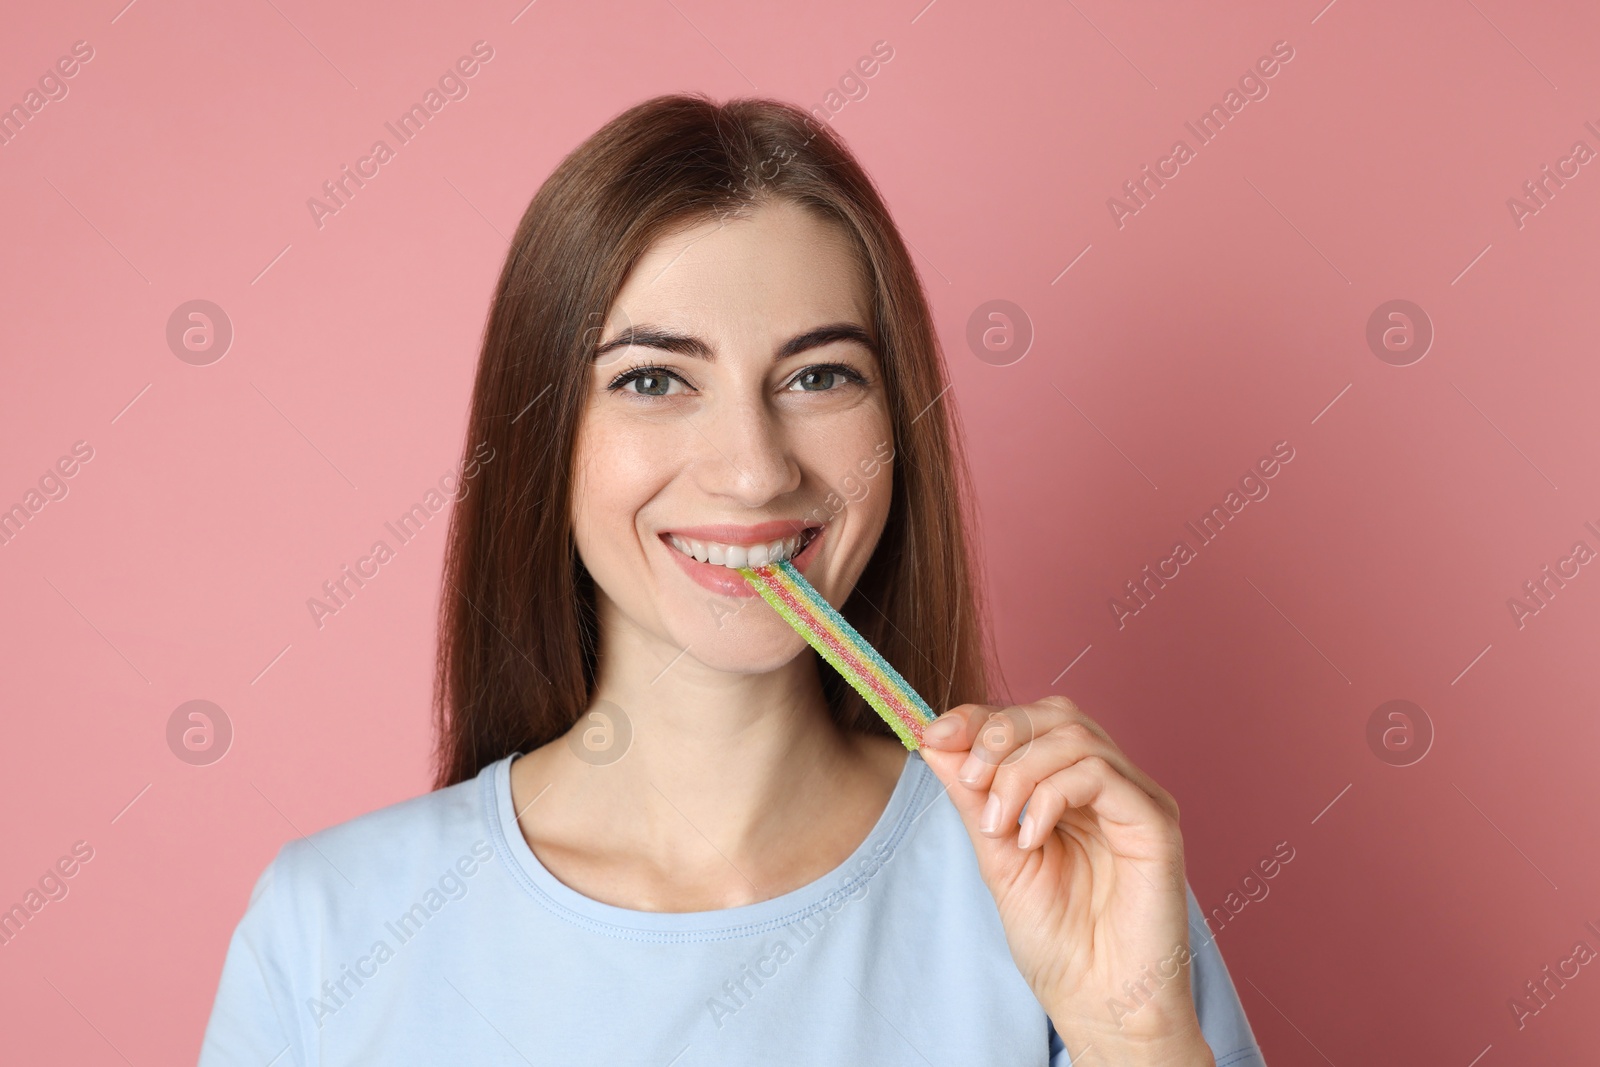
{"points": [[736, 414]]}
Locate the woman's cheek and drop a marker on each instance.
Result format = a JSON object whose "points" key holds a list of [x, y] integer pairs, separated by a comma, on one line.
{"points": [[616, 476]]}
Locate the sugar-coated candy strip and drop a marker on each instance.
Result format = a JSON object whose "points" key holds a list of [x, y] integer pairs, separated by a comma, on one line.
{"points": [[813, 618]]}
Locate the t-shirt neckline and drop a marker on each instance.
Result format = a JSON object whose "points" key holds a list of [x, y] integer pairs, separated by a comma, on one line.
{"points": [[906, 802]]}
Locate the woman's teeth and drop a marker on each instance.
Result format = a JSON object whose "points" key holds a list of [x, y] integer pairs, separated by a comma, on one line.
{"points": [[735, 556]]}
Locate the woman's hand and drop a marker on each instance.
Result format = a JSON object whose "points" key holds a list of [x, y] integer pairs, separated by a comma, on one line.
{"points": [[1091, 888]]}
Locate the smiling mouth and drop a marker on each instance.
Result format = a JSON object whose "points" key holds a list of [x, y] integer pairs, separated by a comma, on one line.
{"points": [[734, 556]]}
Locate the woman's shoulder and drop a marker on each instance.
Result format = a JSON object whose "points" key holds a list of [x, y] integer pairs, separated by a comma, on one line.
{"points": [[359, 863], [333, 905]]}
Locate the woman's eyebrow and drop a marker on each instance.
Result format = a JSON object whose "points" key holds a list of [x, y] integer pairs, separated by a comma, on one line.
{"points": [[689, 345], [823, 335], [656, 337]]}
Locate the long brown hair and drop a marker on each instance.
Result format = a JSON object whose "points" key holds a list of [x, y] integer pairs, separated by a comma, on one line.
{"points": [[517, 632]]}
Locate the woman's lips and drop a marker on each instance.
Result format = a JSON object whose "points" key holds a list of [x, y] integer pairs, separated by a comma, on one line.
{"points": [[727, 581]]}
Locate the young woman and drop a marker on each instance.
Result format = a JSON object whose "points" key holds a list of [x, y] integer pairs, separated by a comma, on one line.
{"points": [[666, 833]]}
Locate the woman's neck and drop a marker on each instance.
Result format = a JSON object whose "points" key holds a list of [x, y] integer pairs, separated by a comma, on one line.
{"points": [[730, 788]]}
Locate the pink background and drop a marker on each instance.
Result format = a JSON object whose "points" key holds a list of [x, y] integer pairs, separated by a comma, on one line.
{"points": [[1227, 315]]}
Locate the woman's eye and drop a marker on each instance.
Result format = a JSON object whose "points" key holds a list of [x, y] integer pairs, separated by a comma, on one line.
{"points": [[652, 384], [823, 379], [649, 381]]}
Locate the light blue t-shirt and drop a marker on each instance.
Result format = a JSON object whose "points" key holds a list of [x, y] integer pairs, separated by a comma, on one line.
{"points": [[429, 933]]}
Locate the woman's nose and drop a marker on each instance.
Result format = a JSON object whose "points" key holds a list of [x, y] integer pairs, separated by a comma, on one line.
{"points": [[744, 452]]}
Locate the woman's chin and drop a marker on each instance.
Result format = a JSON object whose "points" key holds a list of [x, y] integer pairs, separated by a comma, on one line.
{"points": [[743, 645]]}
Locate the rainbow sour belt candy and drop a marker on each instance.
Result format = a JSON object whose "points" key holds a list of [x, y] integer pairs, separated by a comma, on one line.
{"points": [[814, 619]]}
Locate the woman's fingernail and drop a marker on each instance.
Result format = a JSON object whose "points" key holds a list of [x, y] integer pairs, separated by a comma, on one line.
{"points": [[990, 819], [1025, 835], [970, 770], [942, 729]]}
